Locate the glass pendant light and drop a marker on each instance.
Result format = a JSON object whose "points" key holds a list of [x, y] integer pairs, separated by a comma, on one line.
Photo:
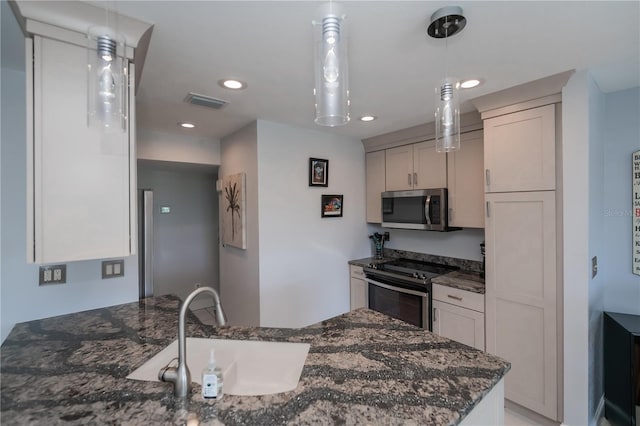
{"points": [[107, 78], [446, 22], [331, 74]]}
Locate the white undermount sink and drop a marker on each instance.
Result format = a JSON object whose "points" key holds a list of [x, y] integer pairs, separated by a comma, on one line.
{"points": [[248, 367]]}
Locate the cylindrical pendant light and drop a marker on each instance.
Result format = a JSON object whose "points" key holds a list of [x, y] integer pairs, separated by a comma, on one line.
{"points": [[447, 116], [446, 22], [331, 69], [107, 78]]}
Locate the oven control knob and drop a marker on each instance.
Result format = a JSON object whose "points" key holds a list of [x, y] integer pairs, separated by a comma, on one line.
{"points": [[415, 275], [423, 276]]}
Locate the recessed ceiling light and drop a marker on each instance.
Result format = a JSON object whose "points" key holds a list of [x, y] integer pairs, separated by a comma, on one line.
{"points": [[468, 84], [232, 84], [187, 125], [368, 118]]}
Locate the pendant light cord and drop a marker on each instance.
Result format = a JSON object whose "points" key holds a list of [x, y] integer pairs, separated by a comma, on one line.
{"points": [[446, 50]]}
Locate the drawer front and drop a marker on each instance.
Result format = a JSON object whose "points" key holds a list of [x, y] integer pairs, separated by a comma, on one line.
{"points": [[462, 298], [356, 271]]}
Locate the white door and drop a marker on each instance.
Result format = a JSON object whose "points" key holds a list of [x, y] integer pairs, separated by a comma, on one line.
{"points": [[429, 166], [399, 168], [519, 151], [465, 182], [521, 295], [375, 181]]}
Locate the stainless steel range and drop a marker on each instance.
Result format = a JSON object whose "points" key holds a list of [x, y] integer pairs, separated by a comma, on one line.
{"points": [[401, 288]]}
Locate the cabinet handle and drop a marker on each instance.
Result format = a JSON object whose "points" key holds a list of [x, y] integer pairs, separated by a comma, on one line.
{"points": [[487, 176], [415, 178], [435, 317], [488, 215], [409, 178], [450, 296]]}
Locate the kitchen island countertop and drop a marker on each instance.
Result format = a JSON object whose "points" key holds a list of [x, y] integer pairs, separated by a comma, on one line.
{"points": [[363, 367]]}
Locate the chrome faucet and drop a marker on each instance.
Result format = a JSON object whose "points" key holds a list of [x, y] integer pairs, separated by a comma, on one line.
{"points": [[180, 376]]}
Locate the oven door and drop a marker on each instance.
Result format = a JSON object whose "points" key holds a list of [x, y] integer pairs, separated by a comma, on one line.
{"points": [[405, 304]]}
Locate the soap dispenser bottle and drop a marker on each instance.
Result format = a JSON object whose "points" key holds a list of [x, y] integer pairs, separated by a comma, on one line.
{"points": [[212, 379]]}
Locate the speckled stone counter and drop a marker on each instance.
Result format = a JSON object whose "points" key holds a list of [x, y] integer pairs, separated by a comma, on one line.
{"points": [[467, 278], [463, 280], [369, 261], [362, 368]]}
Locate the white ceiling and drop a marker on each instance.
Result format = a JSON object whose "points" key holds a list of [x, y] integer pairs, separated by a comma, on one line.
{"points": [[393, 65]]}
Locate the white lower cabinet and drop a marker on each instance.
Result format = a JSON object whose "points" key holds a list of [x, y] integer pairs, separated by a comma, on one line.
{"points": [[359, 289], [459, 315]]}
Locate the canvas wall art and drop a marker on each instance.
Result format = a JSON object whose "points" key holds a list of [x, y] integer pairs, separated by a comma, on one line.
{"points": [[233, 220]]}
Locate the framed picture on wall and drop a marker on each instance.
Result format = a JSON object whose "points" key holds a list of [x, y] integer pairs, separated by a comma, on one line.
{"points": [[331, 206], [318, 172]]}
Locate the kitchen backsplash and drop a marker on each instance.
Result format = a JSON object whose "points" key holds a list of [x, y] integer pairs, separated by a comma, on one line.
{"points": [[464, 264]]}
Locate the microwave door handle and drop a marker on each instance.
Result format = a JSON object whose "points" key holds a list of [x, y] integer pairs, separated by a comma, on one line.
{"points": [[427, 209]]}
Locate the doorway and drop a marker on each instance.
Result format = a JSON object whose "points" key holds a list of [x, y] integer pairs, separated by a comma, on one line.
{"points": [[185, 228]]}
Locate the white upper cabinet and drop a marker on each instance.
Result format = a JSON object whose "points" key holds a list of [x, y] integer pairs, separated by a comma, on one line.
{"points": [[415, 166], [429, 166], [81, 182], [465, 182], [375, 180], [399, 168], [519, 151]]}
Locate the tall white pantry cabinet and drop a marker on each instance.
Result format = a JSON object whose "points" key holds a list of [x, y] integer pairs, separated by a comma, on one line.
{"points": [[81, 182], [523, 285]]}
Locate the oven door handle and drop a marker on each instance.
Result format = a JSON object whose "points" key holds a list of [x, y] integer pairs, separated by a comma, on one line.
{"points": [[395, 288]]}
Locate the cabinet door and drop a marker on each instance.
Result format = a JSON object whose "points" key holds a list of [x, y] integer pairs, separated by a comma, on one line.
{"points": [[519, 151], [359, 290], [375, 181], [429, 166], [81, 177], [465, 182], [521, 295], [399, 168], [459, 324]]}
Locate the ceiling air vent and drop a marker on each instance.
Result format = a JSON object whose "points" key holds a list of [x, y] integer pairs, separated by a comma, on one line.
{"points": [[205, 101]]}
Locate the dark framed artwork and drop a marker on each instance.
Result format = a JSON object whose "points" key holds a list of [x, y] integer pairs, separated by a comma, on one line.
{"points": [[318, 172], [332, 206]]}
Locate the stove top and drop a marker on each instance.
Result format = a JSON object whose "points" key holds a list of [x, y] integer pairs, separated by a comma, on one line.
{"points": [[412, 270]]}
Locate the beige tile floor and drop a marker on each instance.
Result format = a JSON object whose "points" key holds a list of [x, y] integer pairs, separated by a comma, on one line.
{"points": [[206, 315]]}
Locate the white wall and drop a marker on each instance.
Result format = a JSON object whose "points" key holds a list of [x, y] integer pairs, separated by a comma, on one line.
{"points": [[463, 244], [575, 176], [186, 239], [622, 130], [596, 245], [183, 148], [304, 276], [239, 269], [21, 297]]}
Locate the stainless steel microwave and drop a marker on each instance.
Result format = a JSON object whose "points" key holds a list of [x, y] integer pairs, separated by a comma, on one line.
{"points": [[424, 209]]}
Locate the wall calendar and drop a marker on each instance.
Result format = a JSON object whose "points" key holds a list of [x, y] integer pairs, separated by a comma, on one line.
{"points": [[635, 172]]}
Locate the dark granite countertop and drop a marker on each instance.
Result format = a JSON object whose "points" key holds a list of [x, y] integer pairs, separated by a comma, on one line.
{"points": [[363, 368], [369, 260], [463, 280]]}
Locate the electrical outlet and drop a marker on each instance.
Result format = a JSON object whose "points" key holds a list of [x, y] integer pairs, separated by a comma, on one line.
{"points": [[52, 274], [594, 266], [112, 268]]}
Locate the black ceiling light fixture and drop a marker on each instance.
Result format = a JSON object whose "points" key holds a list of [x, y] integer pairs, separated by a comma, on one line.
{"points": [[446, 22]]}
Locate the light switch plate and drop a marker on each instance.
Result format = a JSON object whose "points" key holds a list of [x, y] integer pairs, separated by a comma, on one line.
{"points": [[112, 268]]}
